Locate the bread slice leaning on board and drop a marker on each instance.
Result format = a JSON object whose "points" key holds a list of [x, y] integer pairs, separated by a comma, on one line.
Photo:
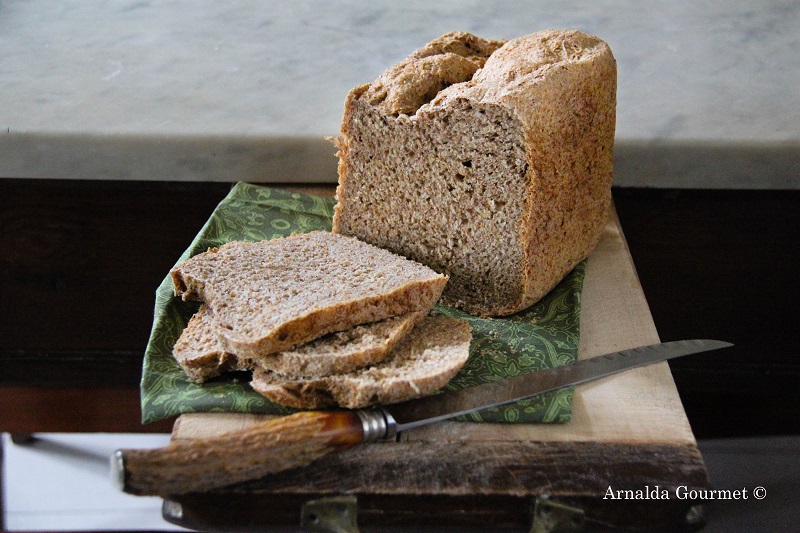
{"points": [[490, 161]]}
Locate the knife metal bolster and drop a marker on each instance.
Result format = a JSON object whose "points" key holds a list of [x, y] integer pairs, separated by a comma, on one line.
{"points": [[377, 424]]}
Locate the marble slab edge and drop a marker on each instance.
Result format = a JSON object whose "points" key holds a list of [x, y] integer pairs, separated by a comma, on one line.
{"points": [[219, 158], [271, 159]]}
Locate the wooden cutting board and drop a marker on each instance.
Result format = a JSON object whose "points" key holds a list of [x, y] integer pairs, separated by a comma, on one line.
{"points": [[628, 432]]}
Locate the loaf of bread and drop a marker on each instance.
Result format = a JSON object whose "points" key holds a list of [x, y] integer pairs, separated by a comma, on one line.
{"points": [[201, 355], [488, 161], [423, 362], [269, 296]]}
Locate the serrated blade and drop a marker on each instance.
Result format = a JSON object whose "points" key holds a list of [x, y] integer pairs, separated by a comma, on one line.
{"points": [[416, 413]]}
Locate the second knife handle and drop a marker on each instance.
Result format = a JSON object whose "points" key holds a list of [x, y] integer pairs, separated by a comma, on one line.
{"points": [[200, 465]]}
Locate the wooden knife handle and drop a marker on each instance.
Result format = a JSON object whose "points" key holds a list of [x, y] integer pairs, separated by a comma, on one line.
{"points": [[199, 465]]}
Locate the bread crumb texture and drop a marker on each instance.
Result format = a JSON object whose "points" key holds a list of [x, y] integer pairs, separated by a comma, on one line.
{"points": [[487, 160], [272, 295]]}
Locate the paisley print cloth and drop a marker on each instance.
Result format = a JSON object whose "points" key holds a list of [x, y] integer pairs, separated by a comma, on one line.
{"points": [[542, 336]]}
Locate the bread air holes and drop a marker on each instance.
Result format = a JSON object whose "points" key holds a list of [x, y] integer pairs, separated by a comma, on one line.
{"points": [[467, 163], [326, 398], [297, 394], [433, 91], [380, 95], [496, 205]]}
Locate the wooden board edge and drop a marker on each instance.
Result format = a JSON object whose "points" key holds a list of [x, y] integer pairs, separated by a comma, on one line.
{"points": [[252, 512], [585, 469], [488, 486]]}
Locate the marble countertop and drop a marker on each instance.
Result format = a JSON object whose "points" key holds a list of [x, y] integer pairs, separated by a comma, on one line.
{"points": [[708, 93]]}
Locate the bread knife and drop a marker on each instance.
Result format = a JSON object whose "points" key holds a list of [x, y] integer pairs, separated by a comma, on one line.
{"points": [[201, 465]]}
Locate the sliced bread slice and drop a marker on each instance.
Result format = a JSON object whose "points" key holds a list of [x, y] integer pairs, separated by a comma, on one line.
{"points": [[343, 351], [199, 351], [423, 362], [202, 356], [273, 295]]}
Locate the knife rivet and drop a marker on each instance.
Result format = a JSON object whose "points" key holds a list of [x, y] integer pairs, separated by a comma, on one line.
{"points": [[334, 513], [172, 509], [118, 475]]}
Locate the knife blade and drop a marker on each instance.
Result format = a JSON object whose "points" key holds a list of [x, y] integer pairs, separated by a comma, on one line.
{"points": [[416, 413], [199, 465]]}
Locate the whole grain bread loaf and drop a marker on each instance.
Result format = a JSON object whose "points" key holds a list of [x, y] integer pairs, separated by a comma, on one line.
{"points": [[489, 161], [273, 295], [201, 355], [423, 362]]}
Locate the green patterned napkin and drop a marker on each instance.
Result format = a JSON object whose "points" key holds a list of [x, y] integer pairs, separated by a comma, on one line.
{"points": [[542, 336]]}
